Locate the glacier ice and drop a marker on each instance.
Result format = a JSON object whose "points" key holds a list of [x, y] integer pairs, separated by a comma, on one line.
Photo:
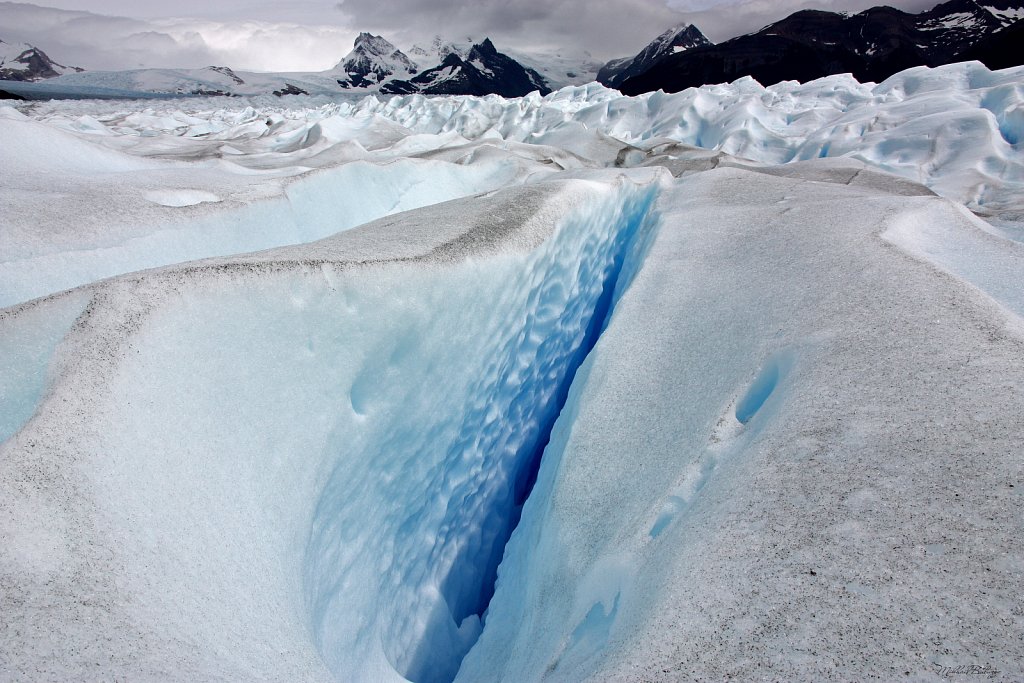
{"points": [[954, 129], [287, 423], [868, 503], [376, 419]]}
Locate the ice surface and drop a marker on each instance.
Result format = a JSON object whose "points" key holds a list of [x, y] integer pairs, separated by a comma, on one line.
{"points": [[75, 212], [767, 339], [28, 339], [862, 522], [954, 129]]}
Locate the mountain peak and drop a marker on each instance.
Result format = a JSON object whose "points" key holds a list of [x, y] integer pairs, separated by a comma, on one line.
{"points": [[482, 71], [373, 59], [677, 39], [871, 45], [376, 45], [24, 62]]}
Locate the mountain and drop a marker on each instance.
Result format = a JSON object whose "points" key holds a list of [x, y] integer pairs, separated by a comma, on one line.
{"points": [[433, 54], [372, 61], [872, 45], [482, 71], [1001, 50], [558, 67], [956, 25], [24, 62], [373, 65], [673, 41]]}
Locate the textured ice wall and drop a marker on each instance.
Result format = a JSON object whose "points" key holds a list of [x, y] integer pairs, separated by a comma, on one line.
{"points": [[455, 407], [253, 467]]}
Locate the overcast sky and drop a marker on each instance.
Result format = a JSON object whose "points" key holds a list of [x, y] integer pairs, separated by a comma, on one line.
{"points": [[312, 35]]}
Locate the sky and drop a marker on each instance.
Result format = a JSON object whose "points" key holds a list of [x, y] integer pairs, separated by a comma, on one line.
{"points": [[314, 35]]}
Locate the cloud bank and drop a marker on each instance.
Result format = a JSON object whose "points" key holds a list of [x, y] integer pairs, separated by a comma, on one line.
{"points": [[606, 28], [313, 35], [98, 42], [723, 20]]}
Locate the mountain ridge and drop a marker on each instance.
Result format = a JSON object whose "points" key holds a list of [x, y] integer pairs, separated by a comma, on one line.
{"points": [[808, 44], [482, 71], [677, 39], [25, 62]]}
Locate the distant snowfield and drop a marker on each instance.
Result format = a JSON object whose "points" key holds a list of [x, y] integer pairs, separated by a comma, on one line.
{"points": [[277, 380]]}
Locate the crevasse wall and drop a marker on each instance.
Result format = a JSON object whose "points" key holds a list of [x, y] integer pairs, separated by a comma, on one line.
{"points": [[409, 530]]}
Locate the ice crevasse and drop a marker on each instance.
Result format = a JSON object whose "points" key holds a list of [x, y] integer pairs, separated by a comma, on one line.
{"points": [[356, 424]]}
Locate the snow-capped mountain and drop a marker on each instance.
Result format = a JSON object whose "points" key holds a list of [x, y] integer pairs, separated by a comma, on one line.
{"points": [[673, 41], [434, 53], [872, 45], [558, 68], [1000, 50], [373, 65], [482, 71], [372, 61], [24, 62]]}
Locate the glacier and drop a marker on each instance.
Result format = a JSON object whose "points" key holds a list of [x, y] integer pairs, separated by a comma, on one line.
{"points": [[719, 384]]}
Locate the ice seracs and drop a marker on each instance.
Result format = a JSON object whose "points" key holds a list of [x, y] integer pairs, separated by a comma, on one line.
{"points": [[953, 129]]}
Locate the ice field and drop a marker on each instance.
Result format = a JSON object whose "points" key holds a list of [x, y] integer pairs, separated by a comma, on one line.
{"points": [[725, 383]]}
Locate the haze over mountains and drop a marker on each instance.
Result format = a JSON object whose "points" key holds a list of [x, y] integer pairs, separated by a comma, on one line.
{"points": [[23, 62], [872, 45]]}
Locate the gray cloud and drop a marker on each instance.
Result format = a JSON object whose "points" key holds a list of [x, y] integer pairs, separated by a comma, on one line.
{"points": [[310, 35], [727, 20], [607, 28], [604, 27], [99, 42]]}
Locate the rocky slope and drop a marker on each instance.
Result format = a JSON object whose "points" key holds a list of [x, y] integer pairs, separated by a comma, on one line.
{"points": [[872, 45], [24, 62], [482, 71]]}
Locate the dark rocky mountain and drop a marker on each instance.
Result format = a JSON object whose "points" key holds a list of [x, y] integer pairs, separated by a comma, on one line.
{"points": [[371, 61], [672, 41], [483, 71], [24, 62], [1000, 50], [872, 45]]}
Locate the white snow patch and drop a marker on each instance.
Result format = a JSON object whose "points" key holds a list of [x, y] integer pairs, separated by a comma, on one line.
{"points": [[179, 198]]}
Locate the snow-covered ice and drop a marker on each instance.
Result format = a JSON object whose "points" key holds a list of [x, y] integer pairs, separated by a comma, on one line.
{"points": [[794, 453], [276, 379]]}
